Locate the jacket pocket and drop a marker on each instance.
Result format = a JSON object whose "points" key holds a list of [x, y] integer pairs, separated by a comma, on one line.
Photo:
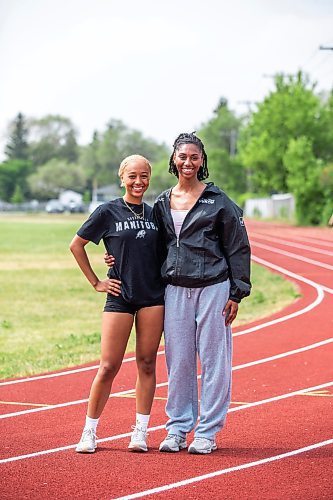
{"points": [[192, 263]]}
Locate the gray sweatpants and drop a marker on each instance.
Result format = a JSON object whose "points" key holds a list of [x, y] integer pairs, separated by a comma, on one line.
{"points": [[194, 325]]}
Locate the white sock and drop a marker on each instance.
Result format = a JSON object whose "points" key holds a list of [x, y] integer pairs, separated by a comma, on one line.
{"points": [[91, 423], [142, 420]]}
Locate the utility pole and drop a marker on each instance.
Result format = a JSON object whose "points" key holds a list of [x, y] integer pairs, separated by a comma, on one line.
{"points": [[231, 135]]}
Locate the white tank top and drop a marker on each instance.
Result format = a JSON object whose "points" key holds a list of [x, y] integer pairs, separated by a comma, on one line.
{"points": [[178, 217]]}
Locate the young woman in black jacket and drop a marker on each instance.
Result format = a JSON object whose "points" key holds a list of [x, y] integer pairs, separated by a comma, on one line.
{"points": [[207, 271]]}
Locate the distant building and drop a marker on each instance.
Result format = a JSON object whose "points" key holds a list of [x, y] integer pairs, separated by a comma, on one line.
{"points": [[106, 193], [277, 206], [68, 197], [103, 194]]}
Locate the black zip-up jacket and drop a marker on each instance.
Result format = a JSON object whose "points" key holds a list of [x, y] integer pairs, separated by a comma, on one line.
{"points": [[212, 245]]}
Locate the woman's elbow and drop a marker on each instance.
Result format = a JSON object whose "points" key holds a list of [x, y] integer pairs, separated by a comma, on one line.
{"points": [[74, 245]]}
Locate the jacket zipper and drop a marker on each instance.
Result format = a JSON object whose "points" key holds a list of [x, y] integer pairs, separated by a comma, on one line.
{"points": [[178, 237], [177, 255]]}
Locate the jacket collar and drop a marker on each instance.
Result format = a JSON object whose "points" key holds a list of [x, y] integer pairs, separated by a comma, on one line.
{"points": [[210, 188]]}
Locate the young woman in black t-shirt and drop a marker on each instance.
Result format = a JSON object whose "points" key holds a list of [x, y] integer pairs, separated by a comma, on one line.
{"points": [[134, 291]]}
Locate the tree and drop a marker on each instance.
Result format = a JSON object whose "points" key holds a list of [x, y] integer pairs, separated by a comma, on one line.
{"points": [[17, 195], [13, 175], [326, 144], [220, 135], [288, 145], [227, 172], [221, 131], [17, 145], [101, 159], [90, 162], [161, 178], [52, 136], [303, 179], [56, 176], [326, 183], [291, 111]]}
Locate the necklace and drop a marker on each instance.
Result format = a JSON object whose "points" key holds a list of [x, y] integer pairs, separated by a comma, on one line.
{"points": [[140, 215]]}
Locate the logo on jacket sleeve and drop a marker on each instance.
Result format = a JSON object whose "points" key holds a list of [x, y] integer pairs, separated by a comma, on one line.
{"points": [[241, 221], [209, 201]]}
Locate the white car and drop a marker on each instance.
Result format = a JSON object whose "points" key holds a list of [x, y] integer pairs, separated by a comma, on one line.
{"points": [[54, 207]]}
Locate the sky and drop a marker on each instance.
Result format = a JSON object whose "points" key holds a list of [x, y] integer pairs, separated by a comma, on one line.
{"points": [[160, 67]]}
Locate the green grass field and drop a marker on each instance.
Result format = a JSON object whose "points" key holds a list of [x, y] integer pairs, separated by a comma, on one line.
{"points": [[50, 315]]}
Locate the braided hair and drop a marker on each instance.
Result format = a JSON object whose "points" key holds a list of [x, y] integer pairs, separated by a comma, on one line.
{"points": [[189, 139]]}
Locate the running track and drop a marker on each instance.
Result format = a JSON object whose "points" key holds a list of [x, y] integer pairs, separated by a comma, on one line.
{"points": [[278, 440]]}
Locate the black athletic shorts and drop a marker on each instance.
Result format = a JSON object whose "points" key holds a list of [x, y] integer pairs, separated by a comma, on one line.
{"points": [[118, 304]]}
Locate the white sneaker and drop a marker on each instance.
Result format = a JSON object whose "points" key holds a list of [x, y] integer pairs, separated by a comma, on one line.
{"points": [[87, 442], [173, 443], [201, 445], [138, 439]]}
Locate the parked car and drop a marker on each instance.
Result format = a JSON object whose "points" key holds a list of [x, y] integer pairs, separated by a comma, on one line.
{"points": [[75, 207], [54, 207], [5, 206]]}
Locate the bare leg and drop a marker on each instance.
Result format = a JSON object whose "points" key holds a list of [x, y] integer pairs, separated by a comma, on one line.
{"points": [[149, 327], [116, 329]]}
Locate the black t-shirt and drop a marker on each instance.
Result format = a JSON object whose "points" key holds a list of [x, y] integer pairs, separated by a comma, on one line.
{"points": [[134, 244]]}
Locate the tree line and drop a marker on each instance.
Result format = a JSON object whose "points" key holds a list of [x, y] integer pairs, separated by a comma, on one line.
{"points": [[284, 145]]}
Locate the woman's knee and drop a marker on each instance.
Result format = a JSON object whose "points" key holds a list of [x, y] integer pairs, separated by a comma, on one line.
{"points": [[107, 371], [146, 365]]}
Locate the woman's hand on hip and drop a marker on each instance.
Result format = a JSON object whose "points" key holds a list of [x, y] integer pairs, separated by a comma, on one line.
{"points": [[109, 285], [230, 312]]}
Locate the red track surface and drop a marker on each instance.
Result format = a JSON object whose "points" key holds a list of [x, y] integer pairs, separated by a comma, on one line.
{"points": [[278, 441]]}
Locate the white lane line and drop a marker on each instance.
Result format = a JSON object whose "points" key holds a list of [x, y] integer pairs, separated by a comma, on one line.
{"points": [[220, 472], [312, 305], [164, 384], [309, 239], [54, 375], [159, 427], [68, 403], [242, 332], [283, 354], [292, 244], [293, 255], [298, 277]]}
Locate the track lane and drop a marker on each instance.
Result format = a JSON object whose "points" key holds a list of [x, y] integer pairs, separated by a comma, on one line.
{"points": [[315, 235], [281, 243]]}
